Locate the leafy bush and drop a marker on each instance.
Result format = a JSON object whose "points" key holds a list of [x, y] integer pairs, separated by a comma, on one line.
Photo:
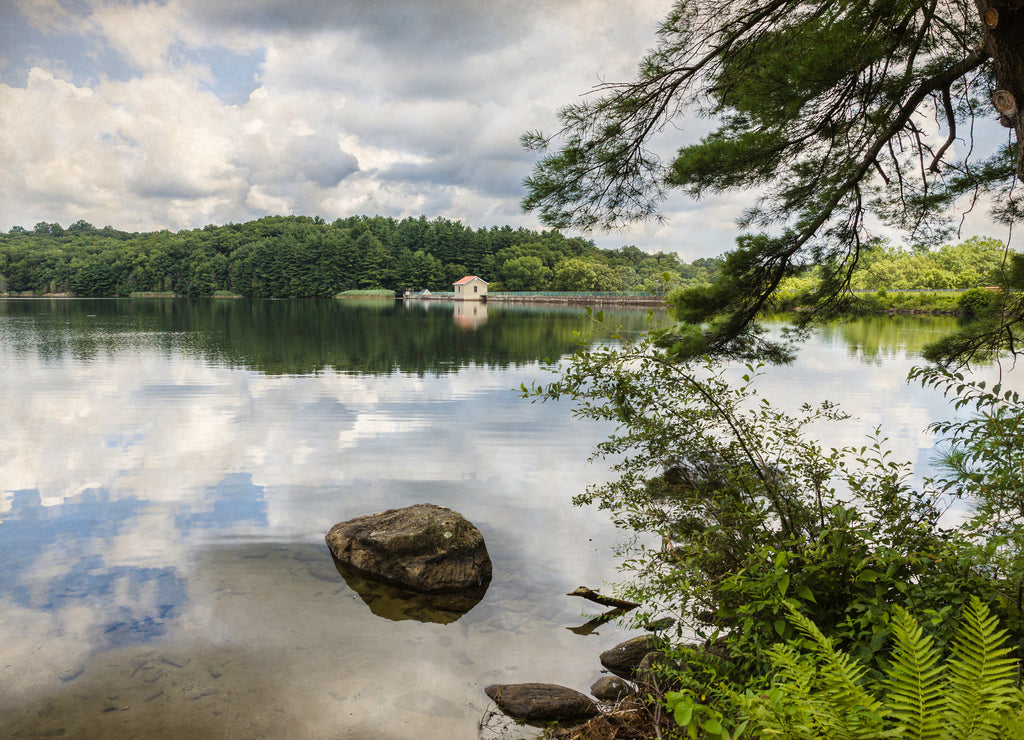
{"points": [[977, 302], [982, 458], [740, 521], [739, 515]]}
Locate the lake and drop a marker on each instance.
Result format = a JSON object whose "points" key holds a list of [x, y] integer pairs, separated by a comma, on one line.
{"points": [[168, 470]]}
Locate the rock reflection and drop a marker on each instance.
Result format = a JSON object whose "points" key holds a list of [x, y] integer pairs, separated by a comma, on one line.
{"points": [[399, 604]]}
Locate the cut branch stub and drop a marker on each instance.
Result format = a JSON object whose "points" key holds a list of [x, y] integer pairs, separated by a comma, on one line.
{"points": [[1005, 103], [991, 17]]}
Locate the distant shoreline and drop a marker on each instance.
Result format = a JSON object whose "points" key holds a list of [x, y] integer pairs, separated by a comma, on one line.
{"points": [[588, 299]]}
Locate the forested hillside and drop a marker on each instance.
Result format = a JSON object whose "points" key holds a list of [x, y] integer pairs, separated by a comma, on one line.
{"points": [[299, 256]]}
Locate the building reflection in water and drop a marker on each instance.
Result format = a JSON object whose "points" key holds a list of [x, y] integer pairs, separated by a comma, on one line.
{"points": [[470, 315]]}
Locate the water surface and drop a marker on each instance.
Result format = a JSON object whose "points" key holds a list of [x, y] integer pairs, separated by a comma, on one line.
{"points": [[168, 470]]}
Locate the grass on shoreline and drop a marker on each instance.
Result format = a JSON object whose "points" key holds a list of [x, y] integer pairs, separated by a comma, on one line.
{"points": [[384, 294]]}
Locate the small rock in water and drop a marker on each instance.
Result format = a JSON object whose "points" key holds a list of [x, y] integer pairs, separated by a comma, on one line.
{"points": [[624, 658], [659, 624], [541, 702], [610, 688]]}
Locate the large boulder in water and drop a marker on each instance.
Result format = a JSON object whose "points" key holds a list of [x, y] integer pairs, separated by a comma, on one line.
{"points": [[425, 548]]}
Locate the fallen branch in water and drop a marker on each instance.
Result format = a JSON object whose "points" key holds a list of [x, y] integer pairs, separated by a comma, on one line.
{"points": [[591, 595]]}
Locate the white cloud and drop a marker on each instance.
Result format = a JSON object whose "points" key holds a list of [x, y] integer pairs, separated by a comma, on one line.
{"points": [[154, 115], [402, 109], [142, 34], [48, 16]]}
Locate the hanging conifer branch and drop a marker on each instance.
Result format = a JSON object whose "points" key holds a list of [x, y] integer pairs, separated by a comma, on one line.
{"points": [[819, 107]]}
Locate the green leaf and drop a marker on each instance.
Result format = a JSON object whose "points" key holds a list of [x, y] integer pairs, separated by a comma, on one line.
{"points": [[783, 584], [805, 593], [683, 713], [712, 726]]}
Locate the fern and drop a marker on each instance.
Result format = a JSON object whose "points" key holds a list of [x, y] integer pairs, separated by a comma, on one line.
{"points": [[981, 675], [1011, 723], [839, 681], [824, 693], [912, 686]]}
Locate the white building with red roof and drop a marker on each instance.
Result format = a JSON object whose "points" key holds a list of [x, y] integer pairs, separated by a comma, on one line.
{"points": [[471, 288]]}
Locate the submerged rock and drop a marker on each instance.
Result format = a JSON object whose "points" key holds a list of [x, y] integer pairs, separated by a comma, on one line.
{"points": [[397, 603], [425, 548], [541, 702]]}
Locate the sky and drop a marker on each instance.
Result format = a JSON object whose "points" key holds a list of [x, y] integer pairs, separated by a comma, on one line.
{"points": [[182, 113]]}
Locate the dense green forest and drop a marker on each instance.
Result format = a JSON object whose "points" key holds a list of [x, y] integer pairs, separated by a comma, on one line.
{"points": [[299, 256], [973, 263]]}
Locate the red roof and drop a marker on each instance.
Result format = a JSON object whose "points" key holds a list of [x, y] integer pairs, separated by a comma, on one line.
{"points": [[468, 278]]}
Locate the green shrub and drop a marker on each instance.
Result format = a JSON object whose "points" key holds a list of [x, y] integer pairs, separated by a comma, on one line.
{"points": [[741, 520], [977, 302], [740, 515]]}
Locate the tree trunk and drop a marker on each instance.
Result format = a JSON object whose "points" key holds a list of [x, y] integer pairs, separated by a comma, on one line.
{"points": [[1003, 24]]}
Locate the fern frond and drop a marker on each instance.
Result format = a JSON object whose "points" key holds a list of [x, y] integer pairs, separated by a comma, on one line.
{"points": [[790, 708], [799, 675], [1011, 722], [824, 694], [914, 681], [982, 676], [847, 710]]}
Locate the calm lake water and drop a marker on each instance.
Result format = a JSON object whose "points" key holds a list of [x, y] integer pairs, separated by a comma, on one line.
{"points": [[168, 470]]}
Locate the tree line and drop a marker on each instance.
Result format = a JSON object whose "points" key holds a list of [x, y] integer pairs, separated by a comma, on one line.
{"points": [[301, 256], [973, 263]]}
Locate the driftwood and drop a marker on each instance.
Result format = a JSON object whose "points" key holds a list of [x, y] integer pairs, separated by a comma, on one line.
{"points": [[592, 595]]}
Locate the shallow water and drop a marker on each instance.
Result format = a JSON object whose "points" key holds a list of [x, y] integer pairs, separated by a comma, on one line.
{"points": [[168, 470]]}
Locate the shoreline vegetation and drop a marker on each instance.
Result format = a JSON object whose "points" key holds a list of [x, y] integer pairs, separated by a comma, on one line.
{"points": [[894, 302], [946, 302], [812, 611]]}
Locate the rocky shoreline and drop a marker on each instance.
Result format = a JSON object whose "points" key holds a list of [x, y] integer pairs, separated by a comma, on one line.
{"points": [[633, 675]]}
